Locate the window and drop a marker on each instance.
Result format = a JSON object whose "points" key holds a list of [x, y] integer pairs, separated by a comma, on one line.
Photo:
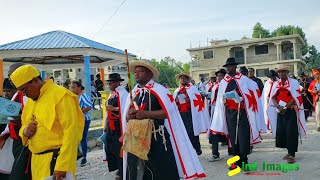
{"points": [[205, 76], [79, 70], [70, 70], [263, 49], [239, 56], [208, 54], [262, 72]]}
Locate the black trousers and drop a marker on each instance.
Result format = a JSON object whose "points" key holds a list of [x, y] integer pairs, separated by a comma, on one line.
{"points": [[161, 164], [21, 168], [112, 149], [287, 131], [242, 148], [187, 121]]}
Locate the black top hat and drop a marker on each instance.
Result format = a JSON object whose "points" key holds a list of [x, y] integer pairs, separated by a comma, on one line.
{"points": [[114, 77], [223, 71], [230, 61]]}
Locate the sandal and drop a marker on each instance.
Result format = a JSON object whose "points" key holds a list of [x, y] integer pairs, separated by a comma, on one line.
{"points": [[291, 160], [286, 157]]}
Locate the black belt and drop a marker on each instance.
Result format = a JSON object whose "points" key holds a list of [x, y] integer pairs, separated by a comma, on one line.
{"points": [[55, 154]]}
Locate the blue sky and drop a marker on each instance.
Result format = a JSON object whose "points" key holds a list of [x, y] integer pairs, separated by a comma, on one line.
{"points": [[155, 29]]}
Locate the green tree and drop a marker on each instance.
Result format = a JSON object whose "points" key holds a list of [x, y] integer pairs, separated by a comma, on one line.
{"points": [[260, 32], [186, 68], [312, 58], [290, 30], [168, 68]]}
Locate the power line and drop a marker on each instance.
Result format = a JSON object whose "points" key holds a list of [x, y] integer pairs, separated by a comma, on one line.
{"points": [[108, 19]]}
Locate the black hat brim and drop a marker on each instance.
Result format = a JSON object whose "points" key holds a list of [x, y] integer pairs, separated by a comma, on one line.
{"points": [[230, 64], [112, 80]]}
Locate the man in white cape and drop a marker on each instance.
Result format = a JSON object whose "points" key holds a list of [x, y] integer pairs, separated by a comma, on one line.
{"points": [[194, 114], [266, 95], [286, 113], [113, 124], [171, 153], [229, 114], [214, 139]]}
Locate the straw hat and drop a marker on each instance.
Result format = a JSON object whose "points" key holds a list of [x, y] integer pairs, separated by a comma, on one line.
{"points": [[183, 74], [283, 68], [147, 64]]}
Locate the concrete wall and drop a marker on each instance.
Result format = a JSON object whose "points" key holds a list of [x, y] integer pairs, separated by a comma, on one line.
{"points": [[253, 58]]}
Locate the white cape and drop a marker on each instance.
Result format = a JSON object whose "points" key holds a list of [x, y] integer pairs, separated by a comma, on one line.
{"points": [[200, 113], [187, 161], [249, 93], [294, 87], [122, 95]]}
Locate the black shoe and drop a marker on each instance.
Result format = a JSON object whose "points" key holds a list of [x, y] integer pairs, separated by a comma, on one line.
{"points": [[83, 162], [214, 158], [318, 129], [199, 152]]}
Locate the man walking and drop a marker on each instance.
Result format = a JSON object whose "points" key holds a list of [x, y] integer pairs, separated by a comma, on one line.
{"points": [[115, 108], [237, 117], [286, 113], [52, 124], [192, 110], [255, 79]]}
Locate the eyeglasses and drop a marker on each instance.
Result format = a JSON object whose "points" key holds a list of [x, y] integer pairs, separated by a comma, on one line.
{"points": [[25, 89]]}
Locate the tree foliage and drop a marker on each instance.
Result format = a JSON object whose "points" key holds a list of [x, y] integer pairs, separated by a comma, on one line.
{"points": [[260, 32], [186, 68], [168, 68], [312, 58], [291, 30]]}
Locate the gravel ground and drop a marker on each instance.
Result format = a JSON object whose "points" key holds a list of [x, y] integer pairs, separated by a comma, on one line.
{"points": [[308, 158]]}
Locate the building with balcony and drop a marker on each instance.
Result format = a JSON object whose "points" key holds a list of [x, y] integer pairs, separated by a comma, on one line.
{"points": [[262, 54], [120, 69]]}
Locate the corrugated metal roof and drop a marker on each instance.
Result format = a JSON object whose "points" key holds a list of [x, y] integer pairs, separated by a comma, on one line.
{"points": [[57, 40]]}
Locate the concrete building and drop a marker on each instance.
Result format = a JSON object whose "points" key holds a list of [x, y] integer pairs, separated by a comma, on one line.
{"points": [[262, 54], [74, 74], [78, 74]]}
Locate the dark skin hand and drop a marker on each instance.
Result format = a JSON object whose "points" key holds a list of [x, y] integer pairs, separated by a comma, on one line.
{"points": [[281, 108], [3, 139], [30, 130], [111, 108], [84, 110], [58, 175], [142, 114]]}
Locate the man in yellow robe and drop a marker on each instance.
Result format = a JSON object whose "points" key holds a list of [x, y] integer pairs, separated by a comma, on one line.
{"points": [[52, 124]]}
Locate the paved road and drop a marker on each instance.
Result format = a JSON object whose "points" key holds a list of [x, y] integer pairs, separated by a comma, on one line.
{"points": [[308, 159]]}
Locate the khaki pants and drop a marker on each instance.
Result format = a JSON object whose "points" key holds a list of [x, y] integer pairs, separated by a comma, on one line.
{"points": [[318, 114]]}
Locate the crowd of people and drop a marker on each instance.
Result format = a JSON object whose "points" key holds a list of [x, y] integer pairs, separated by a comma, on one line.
{"points": [[149, 132]]}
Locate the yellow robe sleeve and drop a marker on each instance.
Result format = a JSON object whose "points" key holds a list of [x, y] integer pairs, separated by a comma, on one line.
{"points": [[24, 121], [24, 138], [68, 118]]}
